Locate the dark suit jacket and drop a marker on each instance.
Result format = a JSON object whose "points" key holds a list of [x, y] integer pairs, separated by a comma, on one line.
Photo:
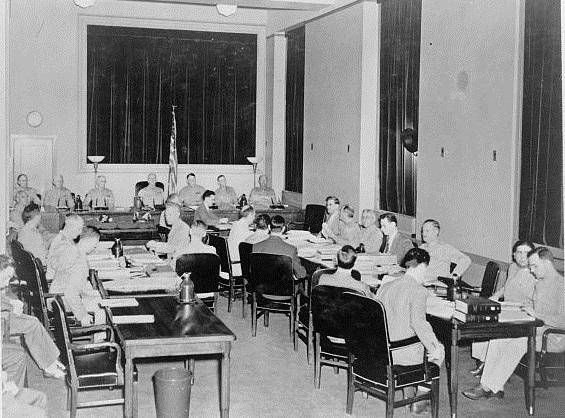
{"points": [[400, 246], [275, 245]]}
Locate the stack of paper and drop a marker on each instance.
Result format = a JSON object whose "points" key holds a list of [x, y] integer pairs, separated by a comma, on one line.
{"points": [[329, 252], [114, 274], [119, 303], [365, 264], [385, 260], [133, 319], [514, 316], [168, 285]]}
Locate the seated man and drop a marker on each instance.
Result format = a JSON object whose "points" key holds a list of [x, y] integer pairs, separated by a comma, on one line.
{"points": [[240, 232], [37, 341], [65, 240], [263, 196], [349, 231], [274, 244], [151, 195], [226, 198], [58, 196], [22, 200], [100, 196], [441, 253], [371, 236], [33, 194], [70, 276], [262, 230], [196, 244], [404, 300], [203, 212], [396, 244], [179, 236], [346, 257], [29, 235], [504, 354], [191, 194], [173, 198], [330, 227]]}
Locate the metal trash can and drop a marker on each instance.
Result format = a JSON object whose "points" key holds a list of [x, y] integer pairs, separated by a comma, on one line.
{"points": [[172, 392]]}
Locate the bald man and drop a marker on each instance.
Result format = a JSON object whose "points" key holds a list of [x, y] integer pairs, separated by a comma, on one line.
{"points": [[58, 196], [100, 196], [152, 195], [262, 197]]}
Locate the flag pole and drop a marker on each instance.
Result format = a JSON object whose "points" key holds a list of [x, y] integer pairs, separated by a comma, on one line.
{"points": [[173, 157]]}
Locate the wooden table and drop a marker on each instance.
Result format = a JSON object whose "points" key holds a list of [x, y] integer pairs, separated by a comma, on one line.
{"points": [[452, 332], [179, 330]]}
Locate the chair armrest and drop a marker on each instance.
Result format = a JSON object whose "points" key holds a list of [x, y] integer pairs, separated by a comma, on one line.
{"points": [[51, 295], [94, 346], [395, 345], [545, 336], [90, 329]]}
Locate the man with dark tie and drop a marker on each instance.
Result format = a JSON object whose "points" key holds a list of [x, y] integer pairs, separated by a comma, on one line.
{"points": [[396, 244]]}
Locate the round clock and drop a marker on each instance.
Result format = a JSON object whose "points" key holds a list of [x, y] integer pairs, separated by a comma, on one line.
{"points": [[34, 119]]}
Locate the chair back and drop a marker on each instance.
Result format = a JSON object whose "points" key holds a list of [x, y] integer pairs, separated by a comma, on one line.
{"points": [[204, 270], [328, 316], [314, 217], [16, 246], [367, 331], [26, 270], [142, 184], [318, 273], [42, 289], [62, 334], [490, 279], [221, 246], [245, 250], [271, 274]]}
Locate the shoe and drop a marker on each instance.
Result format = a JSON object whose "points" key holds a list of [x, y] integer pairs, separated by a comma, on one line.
{"points": [[479, 393], [477, 371], [421, 408]]}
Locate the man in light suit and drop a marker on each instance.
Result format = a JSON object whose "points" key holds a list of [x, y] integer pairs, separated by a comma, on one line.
{"points": [[396, 244], [275, 245]]}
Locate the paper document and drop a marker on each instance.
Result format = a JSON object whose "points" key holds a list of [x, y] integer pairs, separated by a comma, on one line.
{"points": [[514, 316], [133, 319], [119, 303]]}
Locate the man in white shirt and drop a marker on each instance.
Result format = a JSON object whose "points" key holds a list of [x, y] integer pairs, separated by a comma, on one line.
{"points": [[346, 257], [191, 194], [100, 196], [179, 236], [240, 232], [262, 231], [151, 195], [58, 196], [196, 244], [441, 253]]}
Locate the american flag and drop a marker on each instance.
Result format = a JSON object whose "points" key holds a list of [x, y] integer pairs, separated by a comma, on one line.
{"points": [[173, 160]]}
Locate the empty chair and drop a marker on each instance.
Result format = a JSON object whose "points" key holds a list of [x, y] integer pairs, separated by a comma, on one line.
{"points": [[89, 366], [204, 272], [272, 286], [330, 325], [372, 369], [303, 328], [489, 282], [227, 280], [314, 217]]}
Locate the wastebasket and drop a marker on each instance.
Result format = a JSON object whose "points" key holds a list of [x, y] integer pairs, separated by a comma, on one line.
{"points": [[172, 392]]}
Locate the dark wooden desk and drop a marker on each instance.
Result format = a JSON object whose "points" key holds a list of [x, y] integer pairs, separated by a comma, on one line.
{"points": [[178, 330], [109, 294], [452, 332]]}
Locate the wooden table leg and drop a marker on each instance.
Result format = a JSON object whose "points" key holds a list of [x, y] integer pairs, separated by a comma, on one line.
{"points": [[225, 382], [531, 381], [128, 388], [453, 374]]}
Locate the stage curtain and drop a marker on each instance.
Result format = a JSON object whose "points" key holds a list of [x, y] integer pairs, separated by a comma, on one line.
{"points": [[294, 109], [400, 80], [134, 77], [541, 188]]}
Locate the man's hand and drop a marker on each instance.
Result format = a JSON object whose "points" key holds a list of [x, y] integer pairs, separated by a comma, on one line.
{"points": [[437, 355]]}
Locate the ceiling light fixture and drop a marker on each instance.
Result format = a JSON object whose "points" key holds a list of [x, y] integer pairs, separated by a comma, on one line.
{"points": [[226, 9]]}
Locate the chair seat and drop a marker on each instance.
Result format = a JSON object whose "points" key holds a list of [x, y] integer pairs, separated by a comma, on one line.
{"points": [[96, 369], [376, 373]]}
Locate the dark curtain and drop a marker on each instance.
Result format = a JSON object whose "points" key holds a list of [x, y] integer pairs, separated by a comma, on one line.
{"points": [[294, 109], [400, 80], [541, 188], [135, 75]]}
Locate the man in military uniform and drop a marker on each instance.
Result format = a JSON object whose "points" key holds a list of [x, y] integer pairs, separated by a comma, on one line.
{"points": [[58, 196], [100, 196], [151, 195], [191, 194]]}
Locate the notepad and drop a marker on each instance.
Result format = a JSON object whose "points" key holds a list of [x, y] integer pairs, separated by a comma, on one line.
{"points": [[119, 303], [133, 319]]}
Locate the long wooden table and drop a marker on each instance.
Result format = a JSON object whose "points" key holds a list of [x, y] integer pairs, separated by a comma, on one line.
{"points": [[179, 330], [452, 333]]}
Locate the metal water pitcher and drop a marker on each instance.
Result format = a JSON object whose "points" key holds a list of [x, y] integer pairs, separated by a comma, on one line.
{"points": [[186, 289]]}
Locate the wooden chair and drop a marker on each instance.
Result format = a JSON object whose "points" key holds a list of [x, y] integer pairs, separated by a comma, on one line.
{"points": [[273, 289], [89, 366], [329, 327], [303, 328], [550, 365], [227, 279], [371, 368], [204, 272], [489, 282], [245, 249], [314, 217]]}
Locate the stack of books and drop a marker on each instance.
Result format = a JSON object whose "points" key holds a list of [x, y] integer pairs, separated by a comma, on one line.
{"points": [[476, 309]]}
